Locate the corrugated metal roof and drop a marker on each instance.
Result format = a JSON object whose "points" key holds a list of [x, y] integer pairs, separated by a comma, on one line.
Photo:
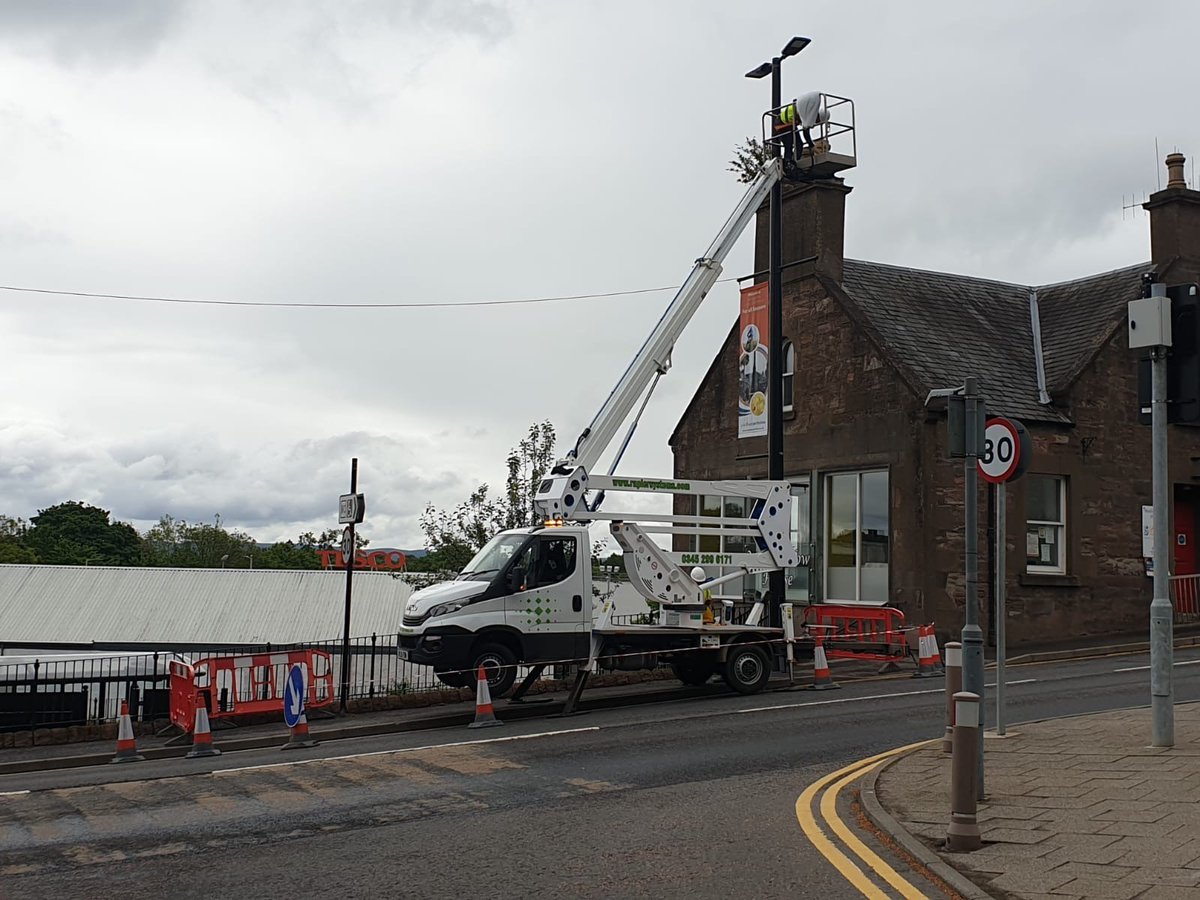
{"points": [[109, 605]]}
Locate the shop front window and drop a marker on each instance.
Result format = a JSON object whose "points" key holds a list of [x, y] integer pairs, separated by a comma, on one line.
{"points": [[797, 579], [857, 537]]}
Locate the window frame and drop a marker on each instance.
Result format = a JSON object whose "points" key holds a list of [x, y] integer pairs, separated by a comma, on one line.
{"points": [[789, 375], [826, 522], [1060, 527]]}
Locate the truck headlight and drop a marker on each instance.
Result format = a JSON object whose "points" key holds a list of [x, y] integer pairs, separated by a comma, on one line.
{"points": [[444, 608]]}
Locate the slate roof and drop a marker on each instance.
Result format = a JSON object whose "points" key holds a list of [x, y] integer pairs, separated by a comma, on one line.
{"points": [[937, 328]]}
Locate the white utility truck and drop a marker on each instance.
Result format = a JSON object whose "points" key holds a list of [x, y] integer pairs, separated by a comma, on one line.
{"points": [[526, 597]]}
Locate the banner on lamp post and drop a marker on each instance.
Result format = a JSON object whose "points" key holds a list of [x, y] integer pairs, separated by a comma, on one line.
{"points": [[753, 360]]}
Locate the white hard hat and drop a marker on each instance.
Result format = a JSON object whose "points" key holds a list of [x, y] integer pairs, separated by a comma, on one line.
{"points": [[698, 575]]}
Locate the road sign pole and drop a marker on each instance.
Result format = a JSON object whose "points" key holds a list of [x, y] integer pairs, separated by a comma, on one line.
{"points": [[1161, 619], [345, 692], [1001, 648], [972, 634]]}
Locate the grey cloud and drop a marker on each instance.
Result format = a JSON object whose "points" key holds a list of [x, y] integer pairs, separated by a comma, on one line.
{"points": [[16, 233], [91, 32], [479, 19], [271, 491], [319, 52]]}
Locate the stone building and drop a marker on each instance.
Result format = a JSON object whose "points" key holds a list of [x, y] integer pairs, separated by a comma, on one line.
{"points": [[879, 506]]}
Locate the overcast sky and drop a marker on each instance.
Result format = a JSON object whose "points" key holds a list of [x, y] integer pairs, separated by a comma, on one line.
{"points": [[363, 151]]}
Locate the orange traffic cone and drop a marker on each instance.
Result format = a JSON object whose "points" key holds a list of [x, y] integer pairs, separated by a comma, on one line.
{"points": [[822, 679], [202, 744], [935, 655], [925, 666], [126, 745], [300, 737], [484, 714]]}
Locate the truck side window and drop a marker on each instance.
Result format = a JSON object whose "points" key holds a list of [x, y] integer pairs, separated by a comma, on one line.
{"points": [[556, 560]]}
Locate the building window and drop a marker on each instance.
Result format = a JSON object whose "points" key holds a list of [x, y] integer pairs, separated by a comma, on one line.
{"points": [[857, 537], [789, 374], [1045, 524]]}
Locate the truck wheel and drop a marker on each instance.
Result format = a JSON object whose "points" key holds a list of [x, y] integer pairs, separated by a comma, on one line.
{"points": [[500, 664], [455, 679], [746, 669], [693, 669]]}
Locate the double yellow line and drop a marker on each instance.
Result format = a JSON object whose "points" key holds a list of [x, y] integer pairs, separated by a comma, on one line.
{"points": [[832, 785]]}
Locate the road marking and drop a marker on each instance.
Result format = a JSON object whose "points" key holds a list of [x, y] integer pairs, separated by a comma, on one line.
{"points": [[848, 869], [838, 700], [320, 759], [13, 793], [829, 812], [1188, 662], [940, 690]]}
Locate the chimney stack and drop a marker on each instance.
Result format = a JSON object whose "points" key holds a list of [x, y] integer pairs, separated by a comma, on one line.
{"points": [[1175, 226], [1175, 177], [814, 227]]}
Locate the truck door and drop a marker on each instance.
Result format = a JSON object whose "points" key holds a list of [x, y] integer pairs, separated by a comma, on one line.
{"points": [[552, 610]]}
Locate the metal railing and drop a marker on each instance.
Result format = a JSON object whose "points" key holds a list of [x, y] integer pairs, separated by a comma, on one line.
{"points": [[1185, 597], [48, 690]]}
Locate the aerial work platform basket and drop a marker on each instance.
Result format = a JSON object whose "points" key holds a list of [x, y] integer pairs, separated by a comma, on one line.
{"points": [[814, 134]]}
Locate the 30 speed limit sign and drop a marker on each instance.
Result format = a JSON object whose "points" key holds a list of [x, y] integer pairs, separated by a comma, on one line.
{"points": [[1006, 451]]}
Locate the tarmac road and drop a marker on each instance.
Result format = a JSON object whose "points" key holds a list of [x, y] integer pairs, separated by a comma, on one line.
{"points": [[692, 799]]}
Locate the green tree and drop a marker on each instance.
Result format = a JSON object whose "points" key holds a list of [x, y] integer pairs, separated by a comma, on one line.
{"points": [[748, 160], [287, 555], [75, 534], [528, 464], [13, 547], [302, 552], [453, 536], [179, 544]]}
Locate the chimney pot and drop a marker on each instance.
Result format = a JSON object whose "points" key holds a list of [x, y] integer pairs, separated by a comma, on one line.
{"points": [[1175, 177]]}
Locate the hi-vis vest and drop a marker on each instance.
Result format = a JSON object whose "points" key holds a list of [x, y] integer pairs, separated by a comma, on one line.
{"points": [[805, 111]]}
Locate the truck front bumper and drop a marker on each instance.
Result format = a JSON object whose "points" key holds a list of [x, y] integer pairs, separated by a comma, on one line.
{"points": [[444, 647]]}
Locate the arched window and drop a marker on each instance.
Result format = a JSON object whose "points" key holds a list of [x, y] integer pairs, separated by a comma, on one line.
{"points": [[789, 374]]}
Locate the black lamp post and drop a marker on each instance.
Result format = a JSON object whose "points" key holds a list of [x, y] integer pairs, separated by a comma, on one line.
{"points": [[775, 583]]}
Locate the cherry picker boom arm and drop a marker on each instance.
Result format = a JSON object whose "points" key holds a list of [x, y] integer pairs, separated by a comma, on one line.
{"points": [[561, 493]]}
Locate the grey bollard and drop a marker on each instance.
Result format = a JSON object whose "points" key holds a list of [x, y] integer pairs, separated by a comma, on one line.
{"points": [[953, 686], [963, 832]]}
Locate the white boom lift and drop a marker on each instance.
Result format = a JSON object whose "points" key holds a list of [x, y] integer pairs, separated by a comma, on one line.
{"points": [[525, 598]]}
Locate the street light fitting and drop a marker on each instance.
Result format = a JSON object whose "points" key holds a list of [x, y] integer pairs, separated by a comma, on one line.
{"points": [[761, 72], [794, 46]]}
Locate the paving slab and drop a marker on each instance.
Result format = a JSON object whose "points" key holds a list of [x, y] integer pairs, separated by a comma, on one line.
{"points": [[1076, 807]]}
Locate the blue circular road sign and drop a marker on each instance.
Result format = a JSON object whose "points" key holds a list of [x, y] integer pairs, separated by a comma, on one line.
{"points": [[293, 696]]}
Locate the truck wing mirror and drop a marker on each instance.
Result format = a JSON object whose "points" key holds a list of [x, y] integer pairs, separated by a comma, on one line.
{"points": [[516, 579]]}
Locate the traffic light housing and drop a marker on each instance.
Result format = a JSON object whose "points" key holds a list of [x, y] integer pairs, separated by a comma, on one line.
{"points": [[1183, 361]]}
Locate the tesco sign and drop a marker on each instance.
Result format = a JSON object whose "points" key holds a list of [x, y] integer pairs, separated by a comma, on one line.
{"points": [[374, 560]]}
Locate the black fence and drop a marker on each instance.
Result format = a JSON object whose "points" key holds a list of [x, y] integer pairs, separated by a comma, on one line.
{"points": [[53, 691], [57, 690]]}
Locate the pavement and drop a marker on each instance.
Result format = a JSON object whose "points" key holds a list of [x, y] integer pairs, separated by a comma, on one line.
{"points": [[1075, 807]]}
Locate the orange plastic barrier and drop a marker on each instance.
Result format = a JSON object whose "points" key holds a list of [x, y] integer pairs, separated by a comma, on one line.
{"points": [[860, 632], [246, 685]]}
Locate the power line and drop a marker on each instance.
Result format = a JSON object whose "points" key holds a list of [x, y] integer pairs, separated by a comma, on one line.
{"points": [[430, 304]]}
